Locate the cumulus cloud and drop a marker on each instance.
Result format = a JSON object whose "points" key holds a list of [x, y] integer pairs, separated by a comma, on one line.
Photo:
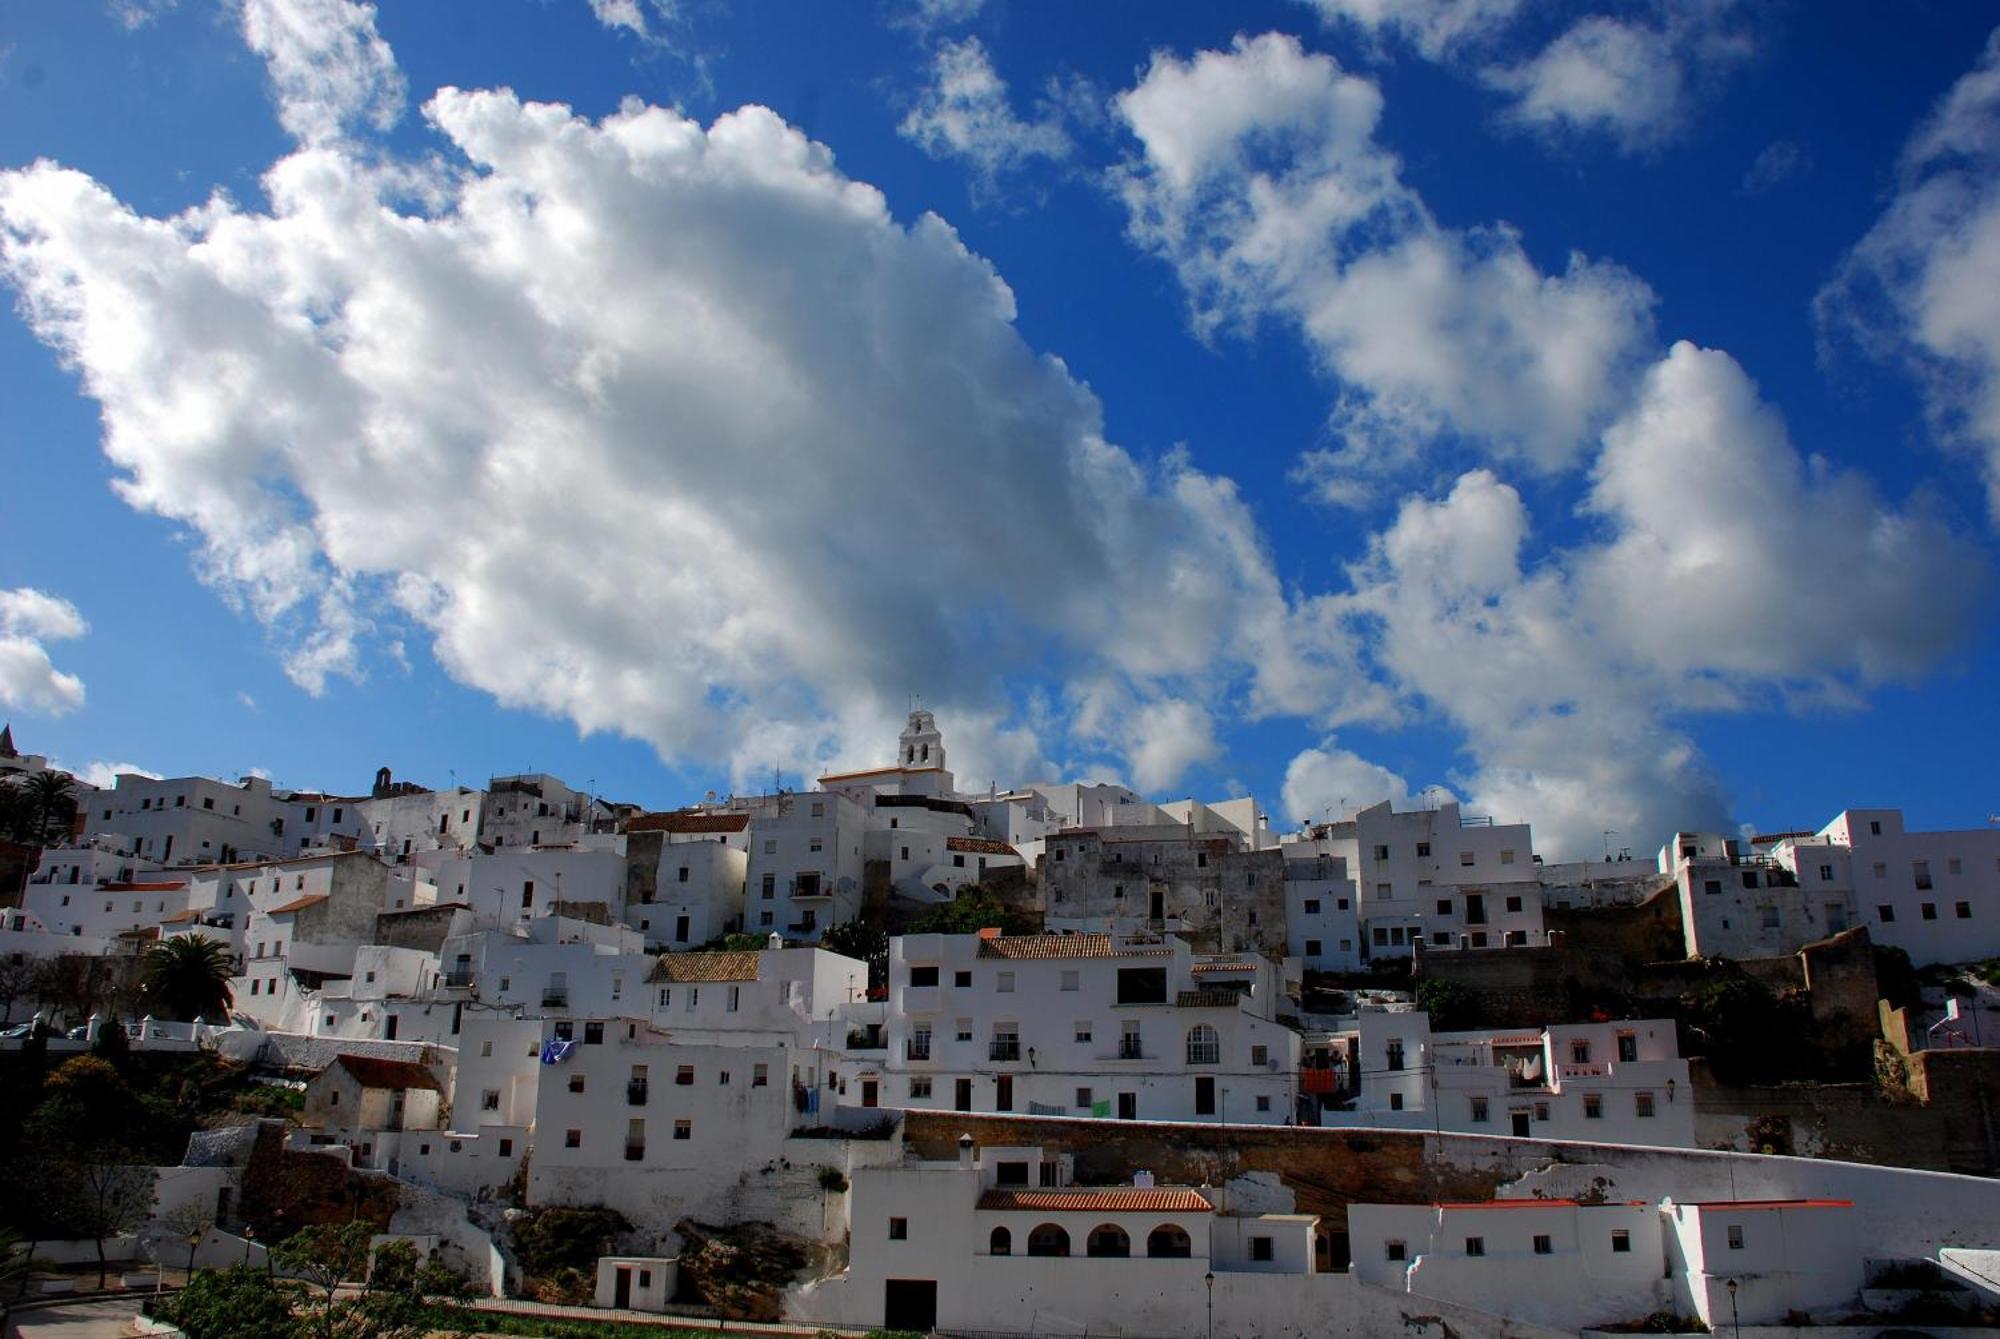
{"points": [[1331, 782], [330, 70], [29, 680], [667, 429], [1631, 76], [931, 15], [1261, 181], [136, 14], [1780, 163], [1918, 288], [1629, 79], [1731, 572], [104, 775], [964, 112]]}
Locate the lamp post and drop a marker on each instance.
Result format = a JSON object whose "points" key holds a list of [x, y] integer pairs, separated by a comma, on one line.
{"points": [[1735, 1321], [194, 1241], [1208, 1280]]}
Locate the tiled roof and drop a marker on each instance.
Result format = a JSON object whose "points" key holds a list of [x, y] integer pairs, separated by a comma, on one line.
{"points": [[699, 967], [979, 844], [1047, 946], [876, 771], [1542, 1204], [1721, 1205], [179, 916], [1203, 967], [309, 900], [688, 823], [141, 887], [373, 1072], [1206, 999], [1106, 1199]]}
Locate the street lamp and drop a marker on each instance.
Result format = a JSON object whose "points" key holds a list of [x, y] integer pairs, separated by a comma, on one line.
{"points": [[1735, 1321], [1208, 1280], [194, 1240]]}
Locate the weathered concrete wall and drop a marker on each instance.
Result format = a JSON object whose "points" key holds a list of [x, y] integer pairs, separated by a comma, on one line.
{"points": [[1220, 899], [1853, 1122]]}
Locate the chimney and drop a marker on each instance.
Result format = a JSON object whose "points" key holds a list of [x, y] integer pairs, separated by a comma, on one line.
{"points": [[965, 1151], [775, 941], [1142, 1180]]}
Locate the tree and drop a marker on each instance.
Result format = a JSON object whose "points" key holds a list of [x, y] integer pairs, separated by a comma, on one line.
{"points": [[187, 977], [403, 1297], [863, 942], [17, 1261], [320, 1258], [240, 1302], [973, 910], [54, 807], [186, 1224], [103, 1198], [1451, 1005], [16, 982]]}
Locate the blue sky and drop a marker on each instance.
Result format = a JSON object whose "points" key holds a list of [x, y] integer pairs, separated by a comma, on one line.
{"points": [[1591, 409]]}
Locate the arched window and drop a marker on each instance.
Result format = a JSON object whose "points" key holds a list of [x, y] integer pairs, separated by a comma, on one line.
{"points": [[1048, 1239], [1108, 1239], [1002, 1242], [1204, 1047], [1169, 1242]]}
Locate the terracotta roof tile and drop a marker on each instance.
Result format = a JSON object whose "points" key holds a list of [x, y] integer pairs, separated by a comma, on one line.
{"points": [[876, 771], [683, 822], [373, 1072], [1207, 999], [1202, 968], [979, 844], [309, 900], [1105, 1199], [699, 967], [1048, 946]]}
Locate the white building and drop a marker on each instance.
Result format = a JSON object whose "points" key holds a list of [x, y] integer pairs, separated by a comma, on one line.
{"points": [[535, 809], [1607, 1083], [1080, 1025], [191, 820], [806, 864], [685, 878]]}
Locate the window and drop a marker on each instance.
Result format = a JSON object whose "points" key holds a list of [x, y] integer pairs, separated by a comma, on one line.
{"points": [[920, 1086], [1394, 1054], [961, 979], [593, 1034], [1711, 885], [1108, 1241], [1004, 983], [1395, 1250], [1506, 857], [1479, 1110], [1204, 1046], [770, 887], [958, 862], [1579, 1052], [964, 1030], [1072, 981], [1928, 910], [1642, 1105], [1826, 873], [1513, 904], [1874, 827], [1735, 1236], [760, 1076], [1920, 872], [1543, 1245], [899, 1229], [924, 976], [1260, 1249], [1444, 906], [1260, 1055], [572, 1138], [819, 809], [1395, 1101], [1467, 858], [1423, 850], [683, 1129], [666, 996], [1953, 866], [1381, 853], [1083, 1098], [682, 877], [576, 1083], [1263, 1102], [1083, 1029], [1312, 948], [1885, 913], [684, 1076], [1770, 918], [1000, 1243], [1475, 1245], [1048, 1240], [1963, 910], [770, 846], [734, 998], [1593, 1106], [815, 845], [506, 1148], [1621, 1242]]}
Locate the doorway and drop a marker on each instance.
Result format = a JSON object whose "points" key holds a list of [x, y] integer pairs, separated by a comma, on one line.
{"points": [[1521, 1123], [1003, 1092], [869, 1092], [909, 1304], [1156, 905], [621, 1290], [1204, 1096], [961, 1095], [1128, 1106]]}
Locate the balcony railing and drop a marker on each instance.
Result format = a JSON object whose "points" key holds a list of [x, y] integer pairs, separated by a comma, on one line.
{"points": [[555, 999], [458, 978], [1004, 1048], [917, 1050], [635, 1093], [1129, 1049], [634, 1152]]}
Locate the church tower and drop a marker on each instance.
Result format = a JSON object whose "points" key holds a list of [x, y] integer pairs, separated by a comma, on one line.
{"points": [[920, 745]]}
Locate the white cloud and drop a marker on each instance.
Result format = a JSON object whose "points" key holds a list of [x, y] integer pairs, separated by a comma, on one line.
{"points": [[329, 68], [104, 775], [1731, 572], [29, 680], [1919, 287], [964, 112], [1330, 782], [1261, 181], [1166, 737], [1780, 163], [136, 14], [927, 16], [672, 431], [1436, 28]]}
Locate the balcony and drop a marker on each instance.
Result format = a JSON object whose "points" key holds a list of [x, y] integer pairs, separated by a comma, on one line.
{"points": [[554, 998], [810, 886], [634, 1152], [917, 1050], [635, 1093], [803, 927], [1316, 1080], [458, 978], [1004, 1048], [1129, 1049]]}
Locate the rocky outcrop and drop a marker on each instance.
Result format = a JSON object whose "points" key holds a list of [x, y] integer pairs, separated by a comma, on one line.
{"points": [[741, 1271]]}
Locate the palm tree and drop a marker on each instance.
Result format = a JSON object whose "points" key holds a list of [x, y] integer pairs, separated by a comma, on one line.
{"points": [[49, 793], [187, 977]]}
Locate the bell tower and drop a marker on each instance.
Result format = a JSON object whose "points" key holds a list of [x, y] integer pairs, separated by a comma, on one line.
{"points": [[920, 744]]}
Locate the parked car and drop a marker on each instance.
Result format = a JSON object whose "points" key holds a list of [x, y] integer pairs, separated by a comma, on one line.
{"points": [[18, 1032], [79, 1033]]}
